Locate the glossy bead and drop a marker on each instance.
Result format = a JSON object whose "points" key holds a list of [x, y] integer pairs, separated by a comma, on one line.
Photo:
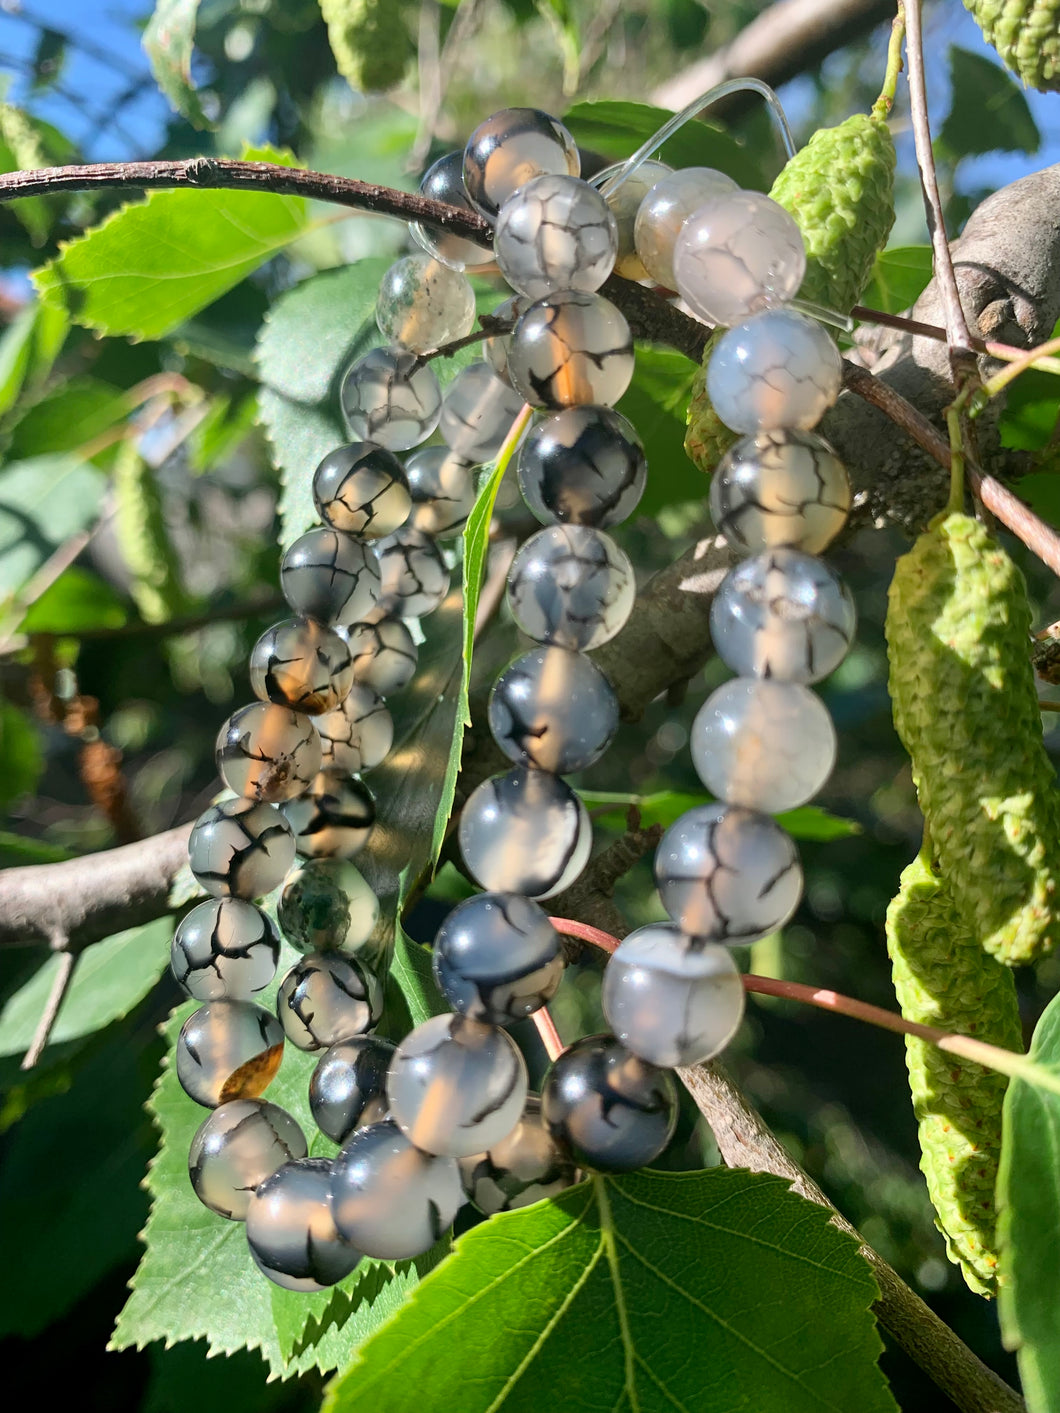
{"points": [[456, 1086], [611, 1110], [357, 735], [291, 1232], [495, 348], [414, 574], [509, 149], [443, 491], [553, 708], [267, 752], [582, 466], [571, 586], [301, 664], [361, 489], [224, 949], [497, 958], [240, 849], [388, 1198], [671, 999], [241, 1144], [776, 370], [327, 574], [571, 349], [525, 832], [389, 397], [783, 615], [228, 1050], [347, 1089], [556, 232], [326, 998], [663, 212], [727, 874], [423, 304], [334, 818], [477, 413], [326, 906], [444, 181], [624, 203], [738, 254], [780, 488], [525, 1167], [767, 745], [383, 654]]}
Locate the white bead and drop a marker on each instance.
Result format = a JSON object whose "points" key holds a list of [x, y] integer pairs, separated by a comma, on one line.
{"points": [[624, 203], [776, 370], [664, 211], [423, 304], [556, 232], [780, 488], [736, 255]]}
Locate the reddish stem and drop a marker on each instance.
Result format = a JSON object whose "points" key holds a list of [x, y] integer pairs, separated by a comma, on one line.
{"points": [[585, 933], [546, 1028]]}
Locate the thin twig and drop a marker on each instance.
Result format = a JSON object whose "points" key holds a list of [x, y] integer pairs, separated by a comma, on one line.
{"points": [[60, 985], [489, 327]]}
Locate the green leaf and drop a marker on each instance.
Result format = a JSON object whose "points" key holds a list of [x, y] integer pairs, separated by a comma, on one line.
{"points": [[169, 40], [642, 1294], [77, 602], [1032, 408], [66, 417], [666, 806], [17, 849], [43, 501], [1041, 491], [21, 755], [656, 403], [418, 997], [20, 150], [899, 278], [28, 348], [988, 110]]}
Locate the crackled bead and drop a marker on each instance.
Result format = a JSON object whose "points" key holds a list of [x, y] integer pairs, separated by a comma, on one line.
{"points": [[624, 203], [497, 958], [525, 1167], [780, 488], [388, 1198], [525, 832], [767, 745], [570, 349], [509, 149], [443, 491], [553, 708], [389, 397], [326, 906], [423, 304], [612, 1111], [663, 212], [267, 752], [738, 254], [456, 1086], [327, 574], [414, 574], [727, 874], [556, 232], [291, 1232], [582, 466], [326, 998], [361, 489], [228, 1050], [334, 818], [571, 586], [357, 735], [495, 348], [224, 949], [347, 1089], [444, 181], [671, 999], [240, 849], [301, 664], [783, 615], [477, 412], [241, 1144], [383, 653], [776, 370]]}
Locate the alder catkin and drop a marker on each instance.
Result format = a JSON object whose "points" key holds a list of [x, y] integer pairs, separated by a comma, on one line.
{"points": [[707, 438], [370, 42], [1026, 33]]}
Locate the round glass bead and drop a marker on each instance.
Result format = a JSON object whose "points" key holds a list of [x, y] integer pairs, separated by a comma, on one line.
{"points": [[414, 574], [389, 397], [224, 949], [663, 212], [509, 149], [327, 574], [624, 203], [582, 466], [612, 1111], [525, 1167], [671, 999], [357, 735], [348, 1087], [326, 906], [301, 664], [738, 254], [556, 232], [443, 491], [477, 412], [570, 349], [444, 181], [326, 998], [383, 653], [241, 1144], [784, 615], [553, 708], [780, 488], [361, 489], [291, 1232], [423, 304], [571, 586], [240, 849], [228, 1050], [495, 348], [776, 370], [497, 958], [727, 874], [267, 752], [334, 818], [525, 832]]}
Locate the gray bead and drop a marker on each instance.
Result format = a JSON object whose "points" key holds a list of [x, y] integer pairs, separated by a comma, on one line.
{"points": [[301, 664], [736, 255], [423, 304], [326, 998], [554, 233], [777, 370], [525, 1167], [228, 1050], [444, 181], [554, 709], [361, 489], [664, 210], [241, 1144], [348, 1087], [291, 1232], [582, 466], [477, 413], [497, 958], [225, 949], [443, 491], [570, 349], [334, 818], [357, 735], [780, 489], [624, 203], [240, 849], [326, 906], [267, 752], [414, 574], [509, 149], [389, 397], [383, 652], [525, 832], [571, 586], [327, 574]]}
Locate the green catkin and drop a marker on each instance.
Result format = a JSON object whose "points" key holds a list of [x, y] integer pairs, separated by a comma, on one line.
{"points": [[140, 528], [707, 438], [942, 977], [370, 42], [966, 709], [1026, 33]]}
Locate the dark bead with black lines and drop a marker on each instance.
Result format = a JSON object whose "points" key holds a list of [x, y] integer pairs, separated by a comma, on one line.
{"points": [[497, 958], [302, 664], [361, 489], [348, 1087], [553, 709], [331, 576], [224, 949], [291, 1232], [582, 466]]}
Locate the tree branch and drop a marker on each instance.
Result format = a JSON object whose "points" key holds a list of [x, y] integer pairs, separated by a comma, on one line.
{"points": [[50, 1014]]}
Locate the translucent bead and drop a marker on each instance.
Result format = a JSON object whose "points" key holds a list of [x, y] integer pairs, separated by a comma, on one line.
{"points": [[572, 586], [301, 664], [383, 653], [326, 998], [477, 413], [509, 149], [357, 735], [444, 181], [224, 949], [671, 999], [228, 1050], [334, 818], [624, 203], [348, 1087], [361, 489], [241, 1144], [497, 958], [326, 906], [776, 370], [327, 574], [571, 349], [240, 849], [267, 752], [727, 874], [414, 574], [767, 745], [784, 615], [525, 1167], [525, 832], [389, 397], [553, 708], [456, 1086], [443, 491], [556, 232], [389, 1199], [736, 255], [291, 1232], [780, 488], [583, 466], [495, 348], [611, 1110], [664, 211], [423, 304]]}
